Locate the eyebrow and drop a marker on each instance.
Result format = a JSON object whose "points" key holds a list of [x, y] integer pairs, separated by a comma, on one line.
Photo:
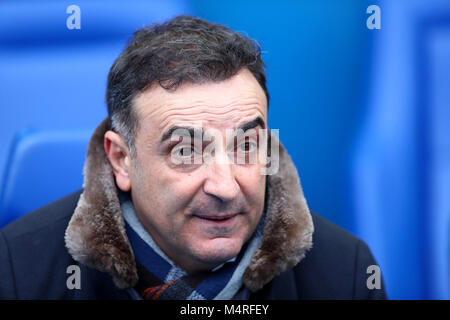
{"points": [[190, 130], [258, 121]]}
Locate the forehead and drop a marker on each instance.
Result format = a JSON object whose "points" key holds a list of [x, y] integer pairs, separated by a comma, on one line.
{"points": [[222, 104]]}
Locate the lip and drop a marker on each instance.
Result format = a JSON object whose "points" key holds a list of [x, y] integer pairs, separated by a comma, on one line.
{"points": [[220, 219]]}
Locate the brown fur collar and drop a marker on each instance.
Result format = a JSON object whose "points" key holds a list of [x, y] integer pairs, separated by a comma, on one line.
{"points": [[96, 234]]}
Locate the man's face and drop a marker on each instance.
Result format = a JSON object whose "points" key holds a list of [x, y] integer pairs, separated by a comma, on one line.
{"points": [[199, 214]]}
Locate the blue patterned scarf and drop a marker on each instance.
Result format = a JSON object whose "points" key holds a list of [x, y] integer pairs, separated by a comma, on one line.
{"points": [[161, 279]]}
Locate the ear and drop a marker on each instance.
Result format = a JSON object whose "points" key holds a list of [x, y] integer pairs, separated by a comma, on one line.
{"points": [[119, 157]]}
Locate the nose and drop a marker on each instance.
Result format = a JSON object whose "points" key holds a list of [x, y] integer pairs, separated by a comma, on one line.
{"points": [[221, 182]]}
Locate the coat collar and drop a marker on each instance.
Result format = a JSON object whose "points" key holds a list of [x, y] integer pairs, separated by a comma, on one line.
{"points": [[96, 233]]}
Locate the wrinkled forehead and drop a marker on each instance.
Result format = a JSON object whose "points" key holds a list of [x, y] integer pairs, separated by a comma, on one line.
{"points": [[219, 105]]}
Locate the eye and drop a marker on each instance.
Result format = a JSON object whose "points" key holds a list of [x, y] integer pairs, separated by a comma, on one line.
{"points": [[247, 146], [185, 151]]}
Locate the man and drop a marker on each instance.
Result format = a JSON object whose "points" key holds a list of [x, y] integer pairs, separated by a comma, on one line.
{"points": [[179, 201]]}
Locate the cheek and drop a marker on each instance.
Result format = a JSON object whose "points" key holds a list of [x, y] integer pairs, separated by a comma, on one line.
{"points": [[252, 182], [162, 191]]}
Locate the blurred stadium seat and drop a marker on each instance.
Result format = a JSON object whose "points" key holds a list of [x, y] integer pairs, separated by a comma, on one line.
{"points": [[43, 166], [401, 168]]}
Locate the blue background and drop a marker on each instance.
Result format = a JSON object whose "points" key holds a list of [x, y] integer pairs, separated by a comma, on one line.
{"points": [[365, 114]]}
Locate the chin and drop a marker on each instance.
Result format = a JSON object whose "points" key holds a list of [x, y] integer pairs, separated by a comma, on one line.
{"points": [[219, 250]]}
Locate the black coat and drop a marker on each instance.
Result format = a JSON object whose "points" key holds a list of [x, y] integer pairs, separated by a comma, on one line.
{"points": [[34, 259]]}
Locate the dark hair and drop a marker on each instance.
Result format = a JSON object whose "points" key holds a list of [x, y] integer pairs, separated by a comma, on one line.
{"points": [[184, 49]]}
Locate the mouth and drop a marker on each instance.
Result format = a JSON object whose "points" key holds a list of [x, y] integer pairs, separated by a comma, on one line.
{"points": [[222, 219]]}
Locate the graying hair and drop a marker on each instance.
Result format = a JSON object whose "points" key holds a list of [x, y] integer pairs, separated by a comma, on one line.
{"points": [[184, 49]]}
